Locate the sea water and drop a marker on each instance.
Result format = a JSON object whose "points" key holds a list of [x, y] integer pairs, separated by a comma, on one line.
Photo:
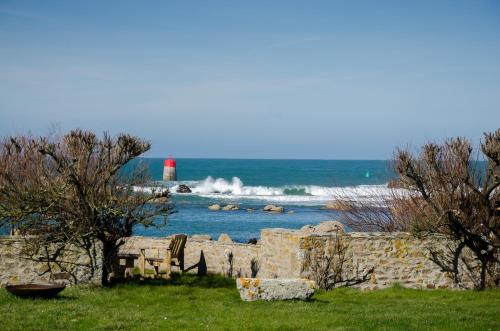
{"points": [[303, 187]]}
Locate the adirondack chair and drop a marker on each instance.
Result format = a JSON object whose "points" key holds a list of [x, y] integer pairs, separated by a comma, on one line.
{"points": [[174, 256]]}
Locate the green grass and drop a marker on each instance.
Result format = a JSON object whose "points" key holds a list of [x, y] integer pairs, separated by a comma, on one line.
{"points": [[213, 303]]}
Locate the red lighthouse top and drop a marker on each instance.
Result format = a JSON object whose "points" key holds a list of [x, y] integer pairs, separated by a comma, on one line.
{"points": [[170, 162]]}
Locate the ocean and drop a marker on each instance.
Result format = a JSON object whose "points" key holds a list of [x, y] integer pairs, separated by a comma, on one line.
{"points": [[302, 187]]}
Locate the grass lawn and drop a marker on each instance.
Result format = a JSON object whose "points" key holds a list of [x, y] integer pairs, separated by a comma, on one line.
{"points": [[213, 303]]}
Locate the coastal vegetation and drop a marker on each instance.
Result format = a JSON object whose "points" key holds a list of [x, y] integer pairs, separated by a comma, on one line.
{"points": [[459, 200], [70, 191], [213, 303], [450, 193]]}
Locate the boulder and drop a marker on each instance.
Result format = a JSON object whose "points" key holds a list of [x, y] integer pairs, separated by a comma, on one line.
{"points": [[225, 239], [274, 209], [231, 207], [307, 229], [183, 189], [214, 207], [338, 205], [252, 289], [252, 241], [327, 227], [250, 210]]}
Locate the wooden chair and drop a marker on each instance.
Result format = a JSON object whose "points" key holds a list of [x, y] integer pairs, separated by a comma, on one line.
{"points": [[173, 257]]}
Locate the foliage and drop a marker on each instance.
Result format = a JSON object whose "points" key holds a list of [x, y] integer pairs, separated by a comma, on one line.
{"points": [[70, 191]]}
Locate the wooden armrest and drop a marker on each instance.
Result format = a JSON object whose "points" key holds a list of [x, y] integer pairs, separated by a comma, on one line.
{"points": [[154, 259], [128, 255]]}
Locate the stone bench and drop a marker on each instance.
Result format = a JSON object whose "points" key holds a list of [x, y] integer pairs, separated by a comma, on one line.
{"points": [[252, 289]]}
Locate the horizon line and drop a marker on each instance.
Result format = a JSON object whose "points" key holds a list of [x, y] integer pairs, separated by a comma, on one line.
{"points": [[263, 158]]}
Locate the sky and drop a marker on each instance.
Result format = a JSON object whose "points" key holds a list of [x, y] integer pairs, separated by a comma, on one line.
{"points": [[253, 79]]}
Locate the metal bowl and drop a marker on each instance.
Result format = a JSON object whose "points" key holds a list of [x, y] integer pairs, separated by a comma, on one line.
{"points": [[35, 290]]}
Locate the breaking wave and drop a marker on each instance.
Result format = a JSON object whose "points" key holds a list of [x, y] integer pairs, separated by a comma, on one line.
{"points": [[235, 189]]}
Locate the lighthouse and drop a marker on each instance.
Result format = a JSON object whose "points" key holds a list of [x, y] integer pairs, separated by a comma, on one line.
{"points": [[169, 170]]}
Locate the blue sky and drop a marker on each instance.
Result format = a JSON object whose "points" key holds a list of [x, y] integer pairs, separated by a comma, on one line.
{"points": [[270, 79]]}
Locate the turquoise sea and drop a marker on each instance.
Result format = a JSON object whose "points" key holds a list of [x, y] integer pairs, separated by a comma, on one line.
{"points": [[301, 186]]}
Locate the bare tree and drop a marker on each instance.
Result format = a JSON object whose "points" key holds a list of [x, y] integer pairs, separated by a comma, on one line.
{"points": [[382, 212], [456, 196], [72, 191], [324, 262], [443, 192]]}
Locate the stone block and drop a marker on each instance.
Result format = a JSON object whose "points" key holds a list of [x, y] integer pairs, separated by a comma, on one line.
{"points": [[252, 289]]}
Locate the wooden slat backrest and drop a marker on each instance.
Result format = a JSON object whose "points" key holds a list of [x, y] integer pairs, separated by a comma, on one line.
{"points": [[177, 244]]}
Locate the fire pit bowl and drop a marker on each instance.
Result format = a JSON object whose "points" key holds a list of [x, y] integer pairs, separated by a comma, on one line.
{"points": [[35, 290]]}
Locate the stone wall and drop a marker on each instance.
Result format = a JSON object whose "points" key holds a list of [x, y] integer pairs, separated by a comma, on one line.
{"points": [[214, 254], [16, 268], [281, 253], [395, 258], [373, 260], [378, 260]]}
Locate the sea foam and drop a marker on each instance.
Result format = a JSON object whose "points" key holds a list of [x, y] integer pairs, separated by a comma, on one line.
{"points": [[235, 189]]}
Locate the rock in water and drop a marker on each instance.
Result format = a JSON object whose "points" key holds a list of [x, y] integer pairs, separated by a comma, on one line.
{"points": [[214, 207], [274, 209], [230, 207], [183, 189], [252, 289], [225, 239]]}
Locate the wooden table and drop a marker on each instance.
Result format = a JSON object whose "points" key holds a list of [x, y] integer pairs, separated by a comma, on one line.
{"points": [[130, 258], [128, 268]]}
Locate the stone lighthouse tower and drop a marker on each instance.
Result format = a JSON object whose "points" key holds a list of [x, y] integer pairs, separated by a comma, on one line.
{"points": [[169, 170]]}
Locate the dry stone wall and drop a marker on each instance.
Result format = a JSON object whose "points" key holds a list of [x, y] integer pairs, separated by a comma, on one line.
{"points": [[386, 259], [378, 260], [281, 253], [373, 260], [219, 257], [15, 268]]}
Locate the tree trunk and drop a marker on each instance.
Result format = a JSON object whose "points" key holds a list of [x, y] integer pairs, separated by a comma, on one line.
{"points": [[110, 262], [484, 266]]}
